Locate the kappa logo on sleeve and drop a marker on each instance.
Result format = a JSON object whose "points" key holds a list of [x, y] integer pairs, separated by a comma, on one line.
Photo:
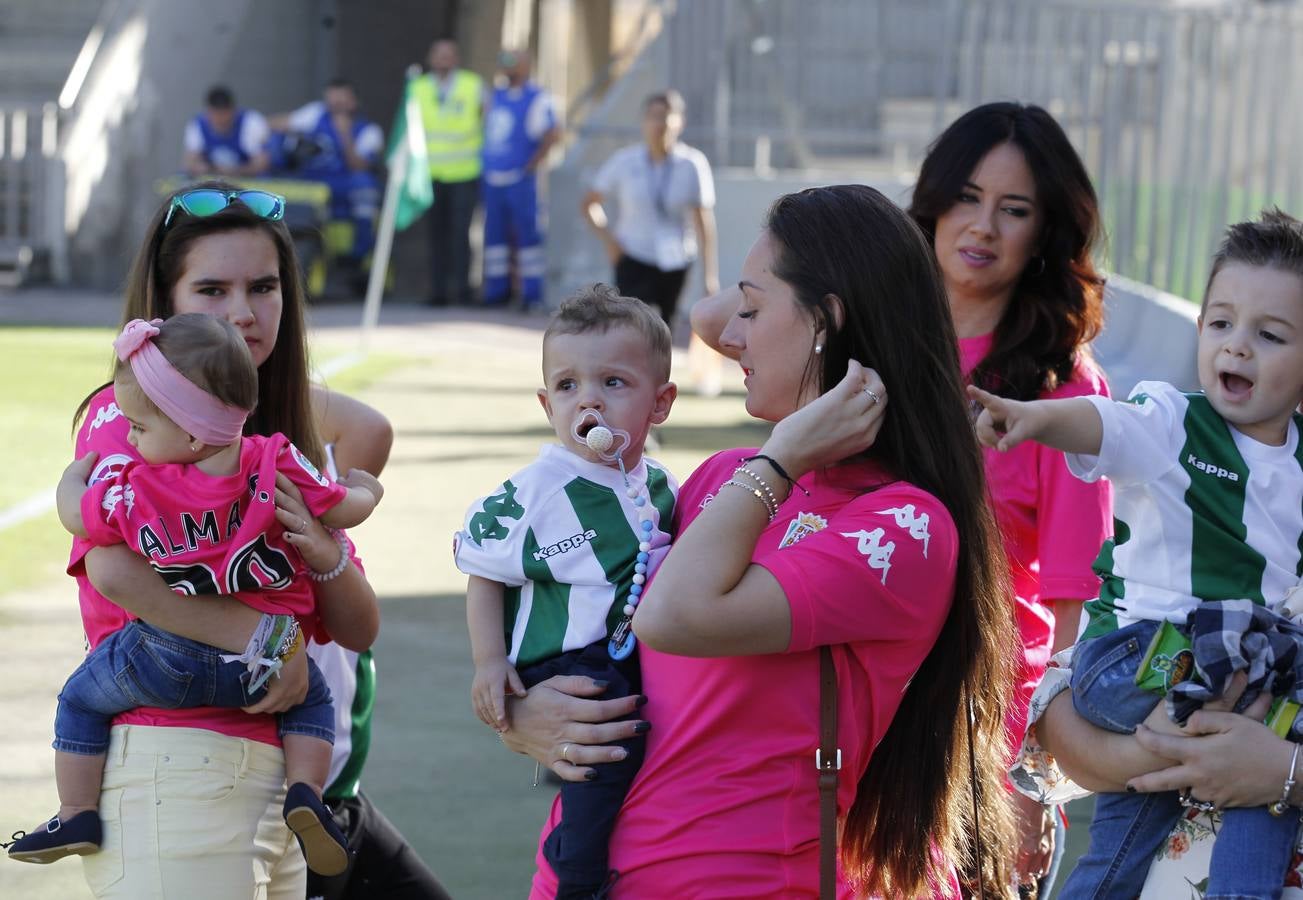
{"points": [[104, 415], [115, 495], [487, 524], [915, 524], [877, 554]]}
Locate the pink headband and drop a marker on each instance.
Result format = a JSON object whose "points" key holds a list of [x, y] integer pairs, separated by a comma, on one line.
{"points": [[191, 407]]}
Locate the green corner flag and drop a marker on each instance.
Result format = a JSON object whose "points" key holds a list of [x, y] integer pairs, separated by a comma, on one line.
{"points": [[412, 167]]}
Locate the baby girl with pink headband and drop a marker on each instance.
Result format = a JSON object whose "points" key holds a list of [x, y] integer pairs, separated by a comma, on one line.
{"points": [[199, 504]]}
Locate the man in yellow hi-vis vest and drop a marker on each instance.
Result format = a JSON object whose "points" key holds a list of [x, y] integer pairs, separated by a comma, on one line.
{"points": [[451, 100]]}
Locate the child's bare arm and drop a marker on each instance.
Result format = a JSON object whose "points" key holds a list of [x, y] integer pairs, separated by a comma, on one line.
{"points": [[72, 487], [1072, 425], [364, 493], [484, 619]]}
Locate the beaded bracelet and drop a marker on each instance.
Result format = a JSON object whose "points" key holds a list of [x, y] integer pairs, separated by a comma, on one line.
{"points": [[340, 566], [760, 482], [764, 501], [1280, 806], [782, 473]]}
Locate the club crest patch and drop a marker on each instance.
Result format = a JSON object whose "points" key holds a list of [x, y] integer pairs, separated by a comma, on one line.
{"points": [[306, 465], [801, 527]]}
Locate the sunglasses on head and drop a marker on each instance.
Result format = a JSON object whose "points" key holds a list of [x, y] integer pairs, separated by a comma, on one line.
{"points": [[209, 201]]}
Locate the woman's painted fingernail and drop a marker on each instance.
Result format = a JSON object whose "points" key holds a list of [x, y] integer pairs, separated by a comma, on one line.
{"points": [[590, 775], [641, 701], [619, 753], [600, 683], [1130, 789], [642, 728]]}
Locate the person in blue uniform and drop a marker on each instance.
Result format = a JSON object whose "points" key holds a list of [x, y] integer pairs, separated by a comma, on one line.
{"points": [[225, 139], [519, 129], [333, 143]]}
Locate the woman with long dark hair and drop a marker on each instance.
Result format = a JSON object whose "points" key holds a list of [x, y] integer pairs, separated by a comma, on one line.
{"points": [[192, 798], [1013, 219], [861, 526]]}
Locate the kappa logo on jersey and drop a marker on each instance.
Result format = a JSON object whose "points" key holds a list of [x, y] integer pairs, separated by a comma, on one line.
{"points": [[110, 466], [118, 494], [1212, 469], [487, 525], [916, 525], [801, 527], [574, 542], [104, 415], [871, 547], [306, 465]]}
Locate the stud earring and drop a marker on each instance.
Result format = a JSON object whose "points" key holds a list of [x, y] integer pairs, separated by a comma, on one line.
{"points": [[818, 348], [194, 448]]}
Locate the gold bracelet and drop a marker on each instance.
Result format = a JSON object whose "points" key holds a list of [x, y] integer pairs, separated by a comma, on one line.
{"points": [[770, 511]]}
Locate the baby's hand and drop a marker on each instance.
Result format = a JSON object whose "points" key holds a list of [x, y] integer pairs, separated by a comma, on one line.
{"points": [[360, 478], [492, 678], [1004, 423], [80, 469]]}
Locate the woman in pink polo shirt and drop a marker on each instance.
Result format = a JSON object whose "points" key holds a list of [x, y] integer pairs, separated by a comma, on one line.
{"points": [[191, 797], [861, 525], [1013, 219]]}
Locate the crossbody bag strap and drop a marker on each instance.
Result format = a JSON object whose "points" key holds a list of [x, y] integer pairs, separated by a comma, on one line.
{"points": [[828, 760]]}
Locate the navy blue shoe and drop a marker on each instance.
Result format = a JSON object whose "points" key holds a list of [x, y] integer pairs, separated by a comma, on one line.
{"points": [[78, 836], [324, 846]]}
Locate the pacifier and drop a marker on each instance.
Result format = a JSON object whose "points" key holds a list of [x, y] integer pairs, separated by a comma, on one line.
{"points": [[608, 443]]}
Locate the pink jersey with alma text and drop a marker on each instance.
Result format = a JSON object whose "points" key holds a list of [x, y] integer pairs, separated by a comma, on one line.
{"points": [[726, 804], [203, 534]]}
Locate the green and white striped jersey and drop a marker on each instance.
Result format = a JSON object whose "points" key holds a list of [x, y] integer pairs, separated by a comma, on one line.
{"points": [[561, 535], [1201, 511]]}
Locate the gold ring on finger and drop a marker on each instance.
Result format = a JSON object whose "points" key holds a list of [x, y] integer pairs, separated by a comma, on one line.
{"points": [[565, 750]]}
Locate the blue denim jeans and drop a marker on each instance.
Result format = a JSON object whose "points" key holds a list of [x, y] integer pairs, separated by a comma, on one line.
{"points": [[140, 665], [1253, 847], [577, 848]]}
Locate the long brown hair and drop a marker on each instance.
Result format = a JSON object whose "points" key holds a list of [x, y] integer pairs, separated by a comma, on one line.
{"points": [[851, 244], [1057, 306], [284, 396]]}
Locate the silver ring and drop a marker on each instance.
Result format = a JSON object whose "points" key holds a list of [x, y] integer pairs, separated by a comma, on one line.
{"points": [[303, 525], [873, 396], [1202, 805], [565, 748]]}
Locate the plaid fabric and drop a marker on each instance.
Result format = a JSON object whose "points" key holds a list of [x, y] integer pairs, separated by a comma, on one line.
{"points": [[1230, 636]]}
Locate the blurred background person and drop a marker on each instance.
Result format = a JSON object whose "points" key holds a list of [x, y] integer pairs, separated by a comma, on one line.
{"points": [[520, 128], [328, 140], [225, 139], [452, 104], [664, 195]]}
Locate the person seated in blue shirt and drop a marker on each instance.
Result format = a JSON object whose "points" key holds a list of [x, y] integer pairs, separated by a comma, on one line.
{"points": [[327, 140], [225, 139]]}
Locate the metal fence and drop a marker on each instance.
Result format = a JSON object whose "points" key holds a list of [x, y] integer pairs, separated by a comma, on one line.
{"points": [[29, 205], [1187, 117]]}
